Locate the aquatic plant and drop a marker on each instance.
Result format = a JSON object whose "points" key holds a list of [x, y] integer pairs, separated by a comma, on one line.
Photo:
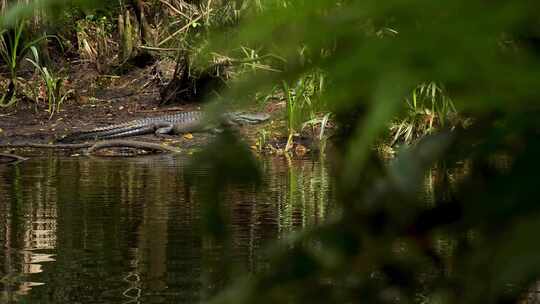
{"points": [[304, 103]]}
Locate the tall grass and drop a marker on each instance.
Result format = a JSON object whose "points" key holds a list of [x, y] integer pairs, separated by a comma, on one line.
{"points": [[55, 94], [428, 108], [14, 46], [304, 104]]}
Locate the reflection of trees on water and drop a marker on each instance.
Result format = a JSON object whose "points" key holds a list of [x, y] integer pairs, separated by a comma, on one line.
{"points": [[28, 226], [5, 238], [101, 230]]}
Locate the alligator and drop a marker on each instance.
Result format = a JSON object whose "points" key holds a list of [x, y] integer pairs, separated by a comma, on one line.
{"points": [[178, 123]]}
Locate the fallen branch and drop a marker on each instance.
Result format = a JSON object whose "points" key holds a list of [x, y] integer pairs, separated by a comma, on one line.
{"points": [[130, 144], [12, 157], [46, 146], [92, 147]]}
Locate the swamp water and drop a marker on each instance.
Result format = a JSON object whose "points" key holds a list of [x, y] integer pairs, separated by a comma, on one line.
{"points": [[111, 230]]}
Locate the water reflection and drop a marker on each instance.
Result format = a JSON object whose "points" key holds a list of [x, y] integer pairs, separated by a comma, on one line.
{"points": [[127, 230]]}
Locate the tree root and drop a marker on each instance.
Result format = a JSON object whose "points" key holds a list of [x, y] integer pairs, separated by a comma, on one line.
{"points": [[130, 144], [12, 157], [93, 147]]}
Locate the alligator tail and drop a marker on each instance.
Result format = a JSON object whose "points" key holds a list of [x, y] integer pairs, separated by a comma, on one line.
{"points": [[118, 132], [99, 134]]}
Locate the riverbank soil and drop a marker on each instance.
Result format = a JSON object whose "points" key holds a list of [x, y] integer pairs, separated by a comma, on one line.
{"points": [[96, 100]]}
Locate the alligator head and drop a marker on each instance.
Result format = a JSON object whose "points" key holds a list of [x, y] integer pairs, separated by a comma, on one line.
{"points": [[247, 118]]}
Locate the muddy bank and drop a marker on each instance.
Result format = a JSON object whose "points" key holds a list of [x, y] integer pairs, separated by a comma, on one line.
{"points": [[99, 100]]}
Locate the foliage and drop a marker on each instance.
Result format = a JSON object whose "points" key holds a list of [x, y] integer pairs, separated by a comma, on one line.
{"points": [[303, 99], [53, 84], [303, 103], [383, 247], [14, 46]]}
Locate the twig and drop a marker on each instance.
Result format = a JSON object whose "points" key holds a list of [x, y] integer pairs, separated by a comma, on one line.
{"points": [[247, 60], [180, 30], [250, 61], [109, 76], [174, 9], [152, 48]]}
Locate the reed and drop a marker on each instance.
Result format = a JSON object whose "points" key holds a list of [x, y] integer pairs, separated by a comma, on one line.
{"points": [[428, 109], [305, 105]]}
